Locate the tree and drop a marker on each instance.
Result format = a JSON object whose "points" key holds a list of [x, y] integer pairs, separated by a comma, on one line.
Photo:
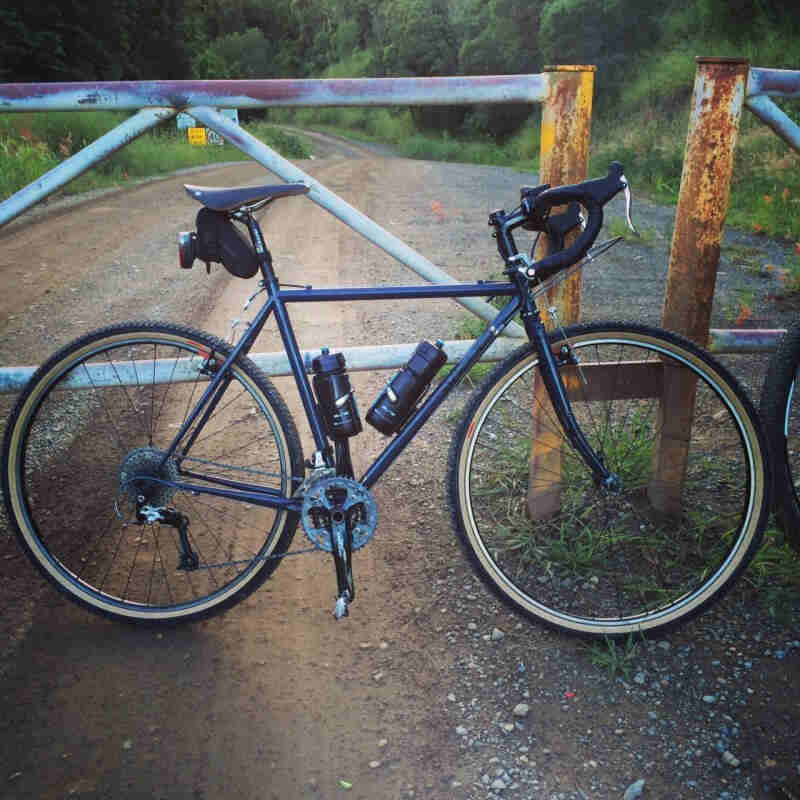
{"points": [[607, 33], [238, 55]]}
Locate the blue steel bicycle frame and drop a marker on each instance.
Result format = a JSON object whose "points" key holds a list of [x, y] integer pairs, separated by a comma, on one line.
{"points": [[277, 301]]}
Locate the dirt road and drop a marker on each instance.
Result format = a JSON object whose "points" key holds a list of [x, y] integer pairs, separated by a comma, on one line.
{"points": [[274, 700], [410, 696]]}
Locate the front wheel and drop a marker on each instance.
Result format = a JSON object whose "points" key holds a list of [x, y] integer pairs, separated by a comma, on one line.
{"points": [[684, 519], [86, 448]]}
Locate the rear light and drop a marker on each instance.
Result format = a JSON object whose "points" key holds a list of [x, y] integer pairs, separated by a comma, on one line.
{"points": [[187, 249]]}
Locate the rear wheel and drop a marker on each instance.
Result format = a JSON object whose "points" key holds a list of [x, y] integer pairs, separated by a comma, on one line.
{"points": [[780, 410], [685, 444], [86, 444]]}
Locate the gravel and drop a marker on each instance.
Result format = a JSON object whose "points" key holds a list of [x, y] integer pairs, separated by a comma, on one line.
{"points": [[710, 711]]}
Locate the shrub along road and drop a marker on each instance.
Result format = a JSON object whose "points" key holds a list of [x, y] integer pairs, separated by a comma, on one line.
{"points": [[429, 689]]}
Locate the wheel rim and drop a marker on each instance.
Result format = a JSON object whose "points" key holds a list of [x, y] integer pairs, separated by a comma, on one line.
{"points": [[82, 531], [599, 562], [790, 443]]}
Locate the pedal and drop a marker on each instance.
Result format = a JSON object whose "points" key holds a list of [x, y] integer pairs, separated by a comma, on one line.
{"points": [[342, 607]]}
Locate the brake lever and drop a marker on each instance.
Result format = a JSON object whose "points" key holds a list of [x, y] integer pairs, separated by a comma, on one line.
{"points": [[628, 203]]}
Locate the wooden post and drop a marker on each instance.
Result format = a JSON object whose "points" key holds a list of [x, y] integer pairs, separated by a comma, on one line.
{"points": [[565, 133], [719, 92]]}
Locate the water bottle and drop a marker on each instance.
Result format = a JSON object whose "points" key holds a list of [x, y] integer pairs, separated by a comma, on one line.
{"points": [[335, 395], [395, 402]]}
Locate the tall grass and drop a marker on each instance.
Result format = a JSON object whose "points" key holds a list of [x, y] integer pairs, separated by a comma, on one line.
{"points": [[31, 144]]}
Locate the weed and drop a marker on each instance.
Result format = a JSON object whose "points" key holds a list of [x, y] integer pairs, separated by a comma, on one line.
{"points": [[790, 275], [774, 573], [615, 656], [617, 226], [748, 259]]}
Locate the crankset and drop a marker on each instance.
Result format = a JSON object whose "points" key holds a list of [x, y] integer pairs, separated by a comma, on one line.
{"points": [[340, 515]]}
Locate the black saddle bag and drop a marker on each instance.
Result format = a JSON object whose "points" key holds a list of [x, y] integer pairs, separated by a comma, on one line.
{"points": [[220, 241]]}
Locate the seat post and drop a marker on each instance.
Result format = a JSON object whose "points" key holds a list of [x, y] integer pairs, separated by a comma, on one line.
{"points": [[257, 238]]}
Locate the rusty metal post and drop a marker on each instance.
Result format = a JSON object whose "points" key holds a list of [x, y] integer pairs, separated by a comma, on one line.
{"points": [[565, 132], [717, 100], [719, 91]]}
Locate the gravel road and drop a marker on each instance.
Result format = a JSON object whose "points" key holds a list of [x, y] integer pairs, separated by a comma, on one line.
{"points": [[430, 689]]}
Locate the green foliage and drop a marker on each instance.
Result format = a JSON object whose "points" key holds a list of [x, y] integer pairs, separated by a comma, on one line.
{"points": [[237, 55], [22, 163], [31, 144], [605, 33], [774, 573], [615, 656], [617, 226]]}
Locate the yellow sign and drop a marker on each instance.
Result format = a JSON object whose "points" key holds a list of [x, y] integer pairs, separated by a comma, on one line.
{"points": [[197, 136]]}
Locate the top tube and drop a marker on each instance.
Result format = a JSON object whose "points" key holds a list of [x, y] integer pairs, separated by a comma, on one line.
{"points": [[480, 289]]}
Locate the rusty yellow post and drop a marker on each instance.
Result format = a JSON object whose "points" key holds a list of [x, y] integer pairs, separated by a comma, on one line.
{"points": [[719, 92], [565, 132]]}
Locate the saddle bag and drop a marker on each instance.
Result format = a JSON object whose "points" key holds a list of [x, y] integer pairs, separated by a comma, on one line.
{"points": [[220, 241]]}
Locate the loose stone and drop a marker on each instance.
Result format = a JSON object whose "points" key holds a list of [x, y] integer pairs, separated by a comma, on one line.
{"points": [[634, 790], [730, 759]]}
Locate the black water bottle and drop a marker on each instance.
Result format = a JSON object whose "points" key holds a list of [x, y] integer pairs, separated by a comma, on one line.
{"points": [[335, 395], [391, 409]]}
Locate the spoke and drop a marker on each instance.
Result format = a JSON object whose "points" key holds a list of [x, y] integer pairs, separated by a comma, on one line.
{"points": [[110, 417], [157, 546], [169, 383], [133, 563], [126, 393], [152, 572]]}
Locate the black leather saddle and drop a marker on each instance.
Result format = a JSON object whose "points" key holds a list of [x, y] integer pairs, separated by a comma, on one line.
{"points": [[222, 199]]}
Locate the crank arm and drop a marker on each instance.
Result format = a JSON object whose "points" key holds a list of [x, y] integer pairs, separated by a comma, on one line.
{"points": [[342, 547]]}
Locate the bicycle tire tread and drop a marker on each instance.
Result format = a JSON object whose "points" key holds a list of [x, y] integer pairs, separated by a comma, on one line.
{"points": [[781, 371], [265, 386], [476, 399]]}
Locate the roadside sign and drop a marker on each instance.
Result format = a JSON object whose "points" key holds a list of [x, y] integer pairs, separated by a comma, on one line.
{"points": [[197, 136]]}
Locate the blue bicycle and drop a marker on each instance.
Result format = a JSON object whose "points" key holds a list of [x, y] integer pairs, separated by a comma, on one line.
{"points": [[604, 479]]}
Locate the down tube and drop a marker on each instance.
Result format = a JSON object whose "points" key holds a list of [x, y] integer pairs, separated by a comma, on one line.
{"points": [[398, 444]]}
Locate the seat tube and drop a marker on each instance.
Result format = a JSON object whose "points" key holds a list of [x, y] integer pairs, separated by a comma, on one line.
{"points": [[298, 369]]}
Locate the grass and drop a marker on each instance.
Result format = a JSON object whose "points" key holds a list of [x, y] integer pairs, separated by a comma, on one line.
{"points": [[395, 127], [774, 573], [615, 656], [617, 226], [790, 275], [32, 144], [597, 540]]}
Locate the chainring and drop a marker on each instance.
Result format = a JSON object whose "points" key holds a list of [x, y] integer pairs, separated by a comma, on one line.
{"points": [[330, 496]]}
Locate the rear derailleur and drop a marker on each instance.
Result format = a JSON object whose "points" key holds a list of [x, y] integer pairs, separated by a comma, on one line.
{"points": [[150, 515]]}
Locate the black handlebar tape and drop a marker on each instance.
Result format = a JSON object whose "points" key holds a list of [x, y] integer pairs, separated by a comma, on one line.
{"points": [[592, 195], [557, 226]]}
